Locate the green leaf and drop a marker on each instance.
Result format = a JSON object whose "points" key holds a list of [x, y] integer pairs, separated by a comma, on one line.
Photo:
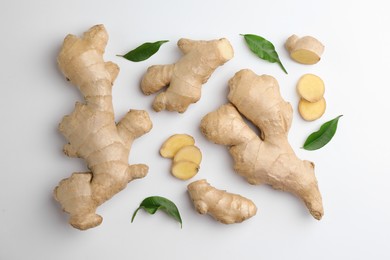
{"points": [[263, 48], [320, 138], [143, 52], [154, 203]]}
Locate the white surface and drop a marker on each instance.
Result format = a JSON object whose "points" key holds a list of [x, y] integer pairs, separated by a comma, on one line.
{"points": [[352, 170]]}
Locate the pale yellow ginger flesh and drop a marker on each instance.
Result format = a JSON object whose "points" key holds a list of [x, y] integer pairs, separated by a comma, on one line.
{"points": [[174, 143], [184, 170], [311, 111], [188, 153], [92, 133], [269, 159], [227, 208], [185, 78], [305, 50], [311, 88]]}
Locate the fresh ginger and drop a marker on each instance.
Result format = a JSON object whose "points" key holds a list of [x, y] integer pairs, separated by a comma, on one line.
{"points": [[186, 156], [227, 208], [184, 170], [92, 132], [174, 143], [184, 79], [311, 89], [311, 111], [188, 153], [305, 50], [269, 158]]}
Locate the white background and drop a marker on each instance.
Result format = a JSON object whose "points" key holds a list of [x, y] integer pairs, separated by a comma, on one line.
{"points": [[352, 170]]}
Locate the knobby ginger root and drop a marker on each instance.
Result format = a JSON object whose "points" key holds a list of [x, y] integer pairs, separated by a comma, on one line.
{"points": [[92, 132], [227, 208], [268, 159], [305, 50], [184, 79]]}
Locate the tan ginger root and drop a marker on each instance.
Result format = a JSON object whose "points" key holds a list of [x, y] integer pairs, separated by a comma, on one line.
{"points": [[92, 132], [268, 159], [185, 78], [227, 208], [305, 50]]}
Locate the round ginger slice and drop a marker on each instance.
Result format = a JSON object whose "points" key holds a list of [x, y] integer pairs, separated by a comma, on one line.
{"points": [[311, 111], [311, 88], [188, 153], [174, 143], [184, 170]]}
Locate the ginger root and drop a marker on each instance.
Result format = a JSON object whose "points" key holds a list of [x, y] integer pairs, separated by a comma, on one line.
{"points": [[184, 79], [268, 158], [227, 208], [92, 132], [305, 50]]}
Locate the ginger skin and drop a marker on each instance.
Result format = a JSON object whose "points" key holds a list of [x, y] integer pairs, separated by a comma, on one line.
{"points": [[227, 208], [267, 159], [92, 132], [184, 79]]}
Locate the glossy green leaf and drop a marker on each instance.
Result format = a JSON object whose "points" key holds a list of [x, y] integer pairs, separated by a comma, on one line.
{"points": [[320, 138], [154, 203], [263, 48], [144, 51]]}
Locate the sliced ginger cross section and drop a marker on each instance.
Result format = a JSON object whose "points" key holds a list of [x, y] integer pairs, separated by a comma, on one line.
{"points": [[311, 111], [311, 87], [174, 144]]}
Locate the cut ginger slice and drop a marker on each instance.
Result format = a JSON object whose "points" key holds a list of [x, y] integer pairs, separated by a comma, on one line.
{"points": [[174, 144], [311, 87], [188, 153], [184, 170], [311, 111]]}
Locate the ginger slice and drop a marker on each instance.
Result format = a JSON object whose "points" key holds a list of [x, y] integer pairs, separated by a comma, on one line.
{"points": [[311, 88], [184, 170], [311, 111], [305, 50], [174, 143], [188, 153]]}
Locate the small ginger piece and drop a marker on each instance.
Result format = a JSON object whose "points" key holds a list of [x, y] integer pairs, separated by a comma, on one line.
{"points": [[185, 78], [227, 208], [188, 153], [311, 88], [92, 132], [174, 143], [184, 170], [305, 50], [311, 111], [269, 158]]}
